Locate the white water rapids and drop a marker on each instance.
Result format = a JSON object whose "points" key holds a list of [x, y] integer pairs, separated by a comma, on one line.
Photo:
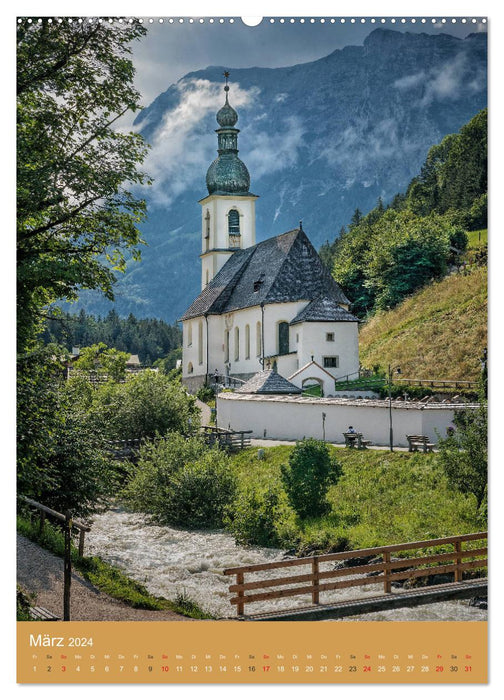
{"points": [[170, 561]]}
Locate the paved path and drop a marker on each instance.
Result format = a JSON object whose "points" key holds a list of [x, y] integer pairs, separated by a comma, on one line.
{"points": [[256, 442], [206, 412], [41, 573]]}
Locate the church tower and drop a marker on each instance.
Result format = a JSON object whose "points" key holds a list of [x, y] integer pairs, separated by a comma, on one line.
{"points": [[228, 212]]}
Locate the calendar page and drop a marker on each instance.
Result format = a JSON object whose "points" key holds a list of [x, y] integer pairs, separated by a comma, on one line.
{"points": [[252, 350]]}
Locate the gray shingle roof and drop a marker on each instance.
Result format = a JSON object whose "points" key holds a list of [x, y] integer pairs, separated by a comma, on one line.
{"points": [[280, 269], [323, 308], [268, 381]]}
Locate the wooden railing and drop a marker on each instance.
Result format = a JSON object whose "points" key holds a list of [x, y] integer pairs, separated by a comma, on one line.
{"points": [[45, 510], [227, 439], [386, 571], [439, 383]]}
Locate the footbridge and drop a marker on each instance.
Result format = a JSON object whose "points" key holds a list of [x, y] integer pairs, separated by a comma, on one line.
{"points": [[392, 576]]}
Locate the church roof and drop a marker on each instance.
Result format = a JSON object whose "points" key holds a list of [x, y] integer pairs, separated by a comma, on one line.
{"points": [[280, 269], [324, 308], [268, 381]]}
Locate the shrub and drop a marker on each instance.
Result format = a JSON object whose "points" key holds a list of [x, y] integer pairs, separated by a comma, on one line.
{"points": [[261, 515], [205, 394], [308, 476], [146, 404], [463, 455], [183, 482]]}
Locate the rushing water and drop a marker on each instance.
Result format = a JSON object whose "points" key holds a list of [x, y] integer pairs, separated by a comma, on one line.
{"points": [[169, 561]]}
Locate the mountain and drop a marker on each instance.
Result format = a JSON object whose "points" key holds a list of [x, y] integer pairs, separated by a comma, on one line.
{"points": [[320, 139]]}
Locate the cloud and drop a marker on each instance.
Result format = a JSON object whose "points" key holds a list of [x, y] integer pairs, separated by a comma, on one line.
{"points": [[184, 144], [181, 149], [269, 152], [448, 82], [409, 81], [360, 150]]}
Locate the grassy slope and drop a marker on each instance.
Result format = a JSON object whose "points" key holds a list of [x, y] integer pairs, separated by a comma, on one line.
{"points": [[437, 333], [382, 498]]}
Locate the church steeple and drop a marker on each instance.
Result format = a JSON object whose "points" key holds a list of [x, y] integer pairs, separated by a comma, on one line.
{"points": [[228, 211], [227, 174]]}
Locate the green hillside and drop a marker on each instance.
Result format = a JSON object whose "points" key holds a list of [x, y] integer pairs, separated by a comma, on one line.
{"points": [[437, 333]]}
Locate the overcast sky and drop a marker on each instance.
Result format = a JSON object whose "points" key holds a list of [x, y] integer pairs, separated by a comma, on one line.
{"points": [[170, 50]]}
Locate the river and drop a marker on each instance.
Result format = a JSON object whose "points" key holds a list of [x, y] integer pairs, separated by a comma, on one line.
{"points": [[169, 561]]}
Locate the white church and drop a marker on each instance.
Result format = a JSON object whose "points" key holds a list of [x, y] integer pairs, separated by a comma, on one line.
{"points": [[269, 307]]}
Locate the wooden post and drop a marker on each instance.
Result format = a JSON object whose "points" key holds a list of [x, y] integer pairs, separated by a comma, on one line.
{"points": [[458, 560], [67, 567], [41, 521], [82, 534], [315, 581], [240, 605], [387, 586]]}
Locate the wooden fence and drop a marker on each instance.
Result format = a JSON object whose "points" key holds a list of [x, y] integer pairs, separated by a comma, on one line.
{"points": [[231, 440], [385, 571], [44, 510], [439, 383]]}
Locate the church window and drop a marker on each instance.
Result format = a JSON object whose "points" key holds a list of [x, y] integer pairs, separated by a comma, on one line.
{"points": [[226, 346], [234, 228], [200, 342], [247, 342], [189, 334], [207, 230], [329, 337], [331, 361], [237, 344], [207, 277], [283, 338], [258, 339], [190, 368]]}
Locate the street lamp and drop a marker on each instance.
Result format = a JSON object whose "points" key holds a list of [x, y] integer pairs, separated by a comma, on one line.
{"points": [[391, 433]]}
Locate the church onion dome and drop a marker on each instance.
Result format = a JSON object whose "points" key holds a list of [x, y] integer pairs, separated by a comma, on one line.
{"points": [[227, 174], [227, 116]]}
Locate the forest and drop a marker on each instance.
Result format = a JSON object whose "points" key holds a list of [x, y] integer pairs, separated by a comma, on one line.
{"points": [[384, 256], [149, 338]]}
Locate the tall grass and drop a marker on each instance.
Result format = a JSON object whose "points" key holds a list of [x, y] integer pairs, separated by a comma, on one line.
{"points": [[438, 333], [382, 498]]}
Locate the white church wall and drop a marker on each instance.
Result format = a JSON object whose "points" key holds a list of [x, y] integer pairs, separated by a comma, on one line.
{"points": [[273, 315], [194, 347], [289, 418], [314, 342]]}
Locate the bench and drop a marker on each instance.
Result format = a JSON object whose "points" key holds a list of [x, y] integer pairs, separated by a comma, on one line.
{"points": [[355, 440], [417, 442], [43, 615]]}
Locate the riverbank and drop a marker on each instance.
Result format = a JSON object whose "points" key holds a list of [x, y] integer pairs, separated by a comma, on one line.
{"points": [[40, 573], [109, 582]]}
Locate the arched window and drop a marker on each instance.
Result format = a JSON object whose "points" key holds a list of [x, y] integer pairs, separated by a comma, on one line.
{"points": [[247, 342], [226, 346], [258, 339], [237, 344], [190, 368], [200, 342], [207, 230], [234, 228], [283, 338], [189, 334], [207, 277]]}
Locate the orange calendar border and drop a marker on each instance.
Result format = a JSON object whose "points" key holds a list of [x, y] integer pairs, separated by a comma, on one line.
{"points": [[227, 651]]}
